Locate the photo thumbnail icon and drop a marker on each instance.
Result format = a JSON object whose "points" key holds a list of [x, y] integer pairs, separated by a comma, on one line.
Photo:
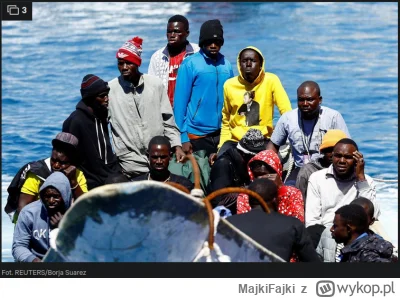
{"points": [[13, 10]]}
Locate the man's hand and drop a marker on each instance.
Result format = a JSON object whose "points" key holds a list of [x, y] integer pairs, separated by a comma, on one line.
{"points": [[212, 158], [187, 148], [55, 219], [360, 164], [70, 172], [180, 154], [36, 260]]}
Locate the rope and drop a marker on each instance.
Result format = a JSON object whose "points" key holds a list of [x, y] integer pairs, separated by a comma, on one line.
{"points": [[290, 167], [207, 246], [284, 153], [197, 193], [196, 171]]}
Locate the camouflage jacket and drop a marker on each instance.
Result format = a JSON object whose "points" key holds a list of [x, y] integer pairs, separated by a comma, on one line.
{"points": [[370, 248]]}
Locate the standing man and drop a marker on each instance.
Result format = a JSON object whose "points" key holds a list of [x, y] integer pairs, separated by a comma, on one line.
{"points": [[305, 127], [139, 109], [90, 125], [165, 62], [249, 99], [198, 102]]}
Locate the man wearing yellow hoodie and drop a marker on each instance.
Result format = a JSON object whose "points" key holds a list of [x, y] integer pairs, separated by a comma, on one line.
{"points": [[249, 99]]}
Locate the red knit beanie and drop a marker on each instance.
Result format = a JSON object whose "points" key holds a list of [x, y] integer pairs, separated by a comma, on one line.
{"points": [[131, 51]]}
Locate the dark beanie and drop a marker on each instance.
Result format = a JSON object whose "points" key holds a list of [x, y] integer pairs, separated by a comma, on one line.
{"points": [[92, 86], [252, 142], [211, 30]]}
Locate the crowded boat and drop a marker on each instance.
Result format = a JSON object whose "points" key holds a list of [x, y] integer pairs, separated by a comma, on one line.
{"points": [[196, 139]]}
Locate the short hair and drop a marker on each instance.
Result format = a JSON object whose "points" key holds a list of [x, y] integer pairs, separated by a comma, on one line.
{"points": [[266, 188], [346, 141], [116, 178], [312, 84], [355, 215], [365, 202], [159, 140], [180, 19]]}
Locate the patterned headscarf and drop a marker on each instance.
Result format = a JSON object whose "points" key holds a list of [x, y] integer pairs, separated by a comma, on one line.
{"points": [[270, 158]]}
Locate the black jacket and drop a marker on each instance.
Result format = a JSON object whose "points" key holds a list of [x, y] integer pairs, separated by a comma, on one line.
{"points": [[98, 160], [371, 248], [173, 178], [279, 233]]}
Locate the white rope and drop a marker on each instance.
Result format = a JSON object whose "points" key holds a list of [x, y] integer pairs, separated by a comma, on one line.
{"points": [[206, 251], [197, 193], [290, 167], [283, 153]]}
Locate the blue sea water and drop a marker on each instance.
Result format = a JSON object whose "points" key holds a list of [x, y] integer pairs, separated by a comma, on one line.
{"points": [[350, 49]]}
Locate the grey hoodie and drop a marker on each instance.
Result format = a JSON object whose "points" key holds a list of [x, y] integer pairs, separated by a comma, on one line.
{"points": [[31, 234]]}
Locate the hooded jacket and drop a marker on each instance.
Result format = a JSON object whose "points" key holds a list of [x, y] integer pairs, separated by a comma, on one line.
{"points": [[370, 248], [268, 92], [31, 234], [290, 200], [199, 94], [98, 159]]}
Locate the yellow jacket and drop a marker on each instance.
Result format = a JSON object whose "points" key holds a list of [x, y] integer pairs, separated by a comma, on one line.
{"points": [[237, 117]]}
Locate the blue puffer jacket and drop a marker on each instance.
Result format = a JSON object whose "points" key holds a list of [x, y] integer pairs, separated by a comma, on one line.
{"points": [[199, 94]]}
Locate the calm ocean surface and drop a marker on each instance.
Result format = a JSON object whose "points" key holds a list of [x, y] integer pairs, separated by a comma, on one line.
{"points": [[350, 49]]}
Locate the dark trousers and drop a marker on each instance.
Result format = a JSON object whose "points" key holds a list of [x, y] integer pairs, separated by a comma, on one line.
{"points": [[208, 143], [226, 146]]}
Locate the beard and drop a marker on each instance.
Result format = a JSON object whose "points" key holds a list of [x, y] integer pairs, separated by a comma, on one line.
{"points": [[100, 111]]}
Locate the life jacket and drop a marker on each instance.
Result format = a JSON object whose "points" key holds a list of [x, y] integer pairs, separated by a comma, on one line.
{"points": [[39, 168]]}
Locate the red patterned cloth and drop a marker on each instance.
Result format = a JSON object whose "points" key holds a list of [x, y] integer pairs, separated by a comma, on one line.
{"points": [[290, 200]]}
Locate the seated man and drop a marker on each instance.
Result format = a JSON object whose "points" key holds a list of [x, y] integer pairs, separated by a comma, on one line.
{"points": [[350, 227], [338, 185], [329, 140], [31, 234], [374, 226], [159, 156], [283, 235], [305, 126], [63, 159], [329, 249], [230, 169]]}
